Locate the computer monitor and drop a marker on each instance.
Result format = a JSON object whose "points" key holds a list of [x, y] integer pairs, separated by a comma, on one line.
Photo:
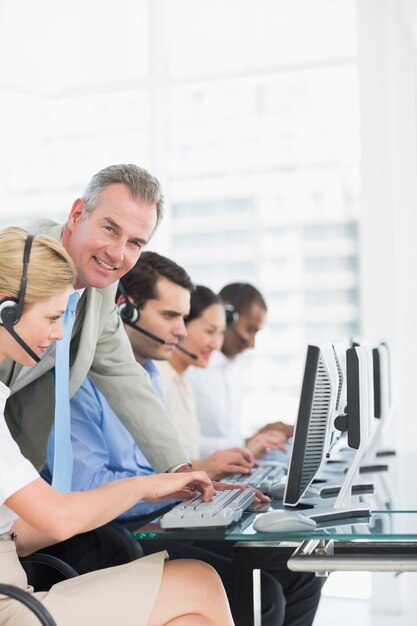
{"points": [[382, 401], [381, 374], [382, 381], [317, 418], [383, 407], [357, 420], [337, 436], [373, 462], [312, 433]]}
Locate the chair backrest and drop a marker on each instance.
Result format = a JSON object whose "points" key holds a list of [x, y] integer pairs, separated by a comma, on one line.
{"points": [[107, 546], [32, 603], [117, 537], [45, 570]]}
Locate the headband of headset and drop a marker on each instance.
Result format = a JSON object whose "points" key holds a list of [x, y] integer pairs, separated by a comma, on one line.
{"points": [[10, 308]]}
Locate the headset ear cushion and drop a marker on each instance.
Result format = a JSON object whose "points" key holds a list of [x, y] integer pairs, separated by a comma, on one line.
{"points": [[134, 315], [128, 312], [9, 315], [232, 316]]}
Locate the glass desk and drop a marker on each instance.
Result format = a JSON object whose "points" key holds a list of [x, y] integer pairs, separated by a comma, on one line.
{"points": [[387, 541], [382, 526]]}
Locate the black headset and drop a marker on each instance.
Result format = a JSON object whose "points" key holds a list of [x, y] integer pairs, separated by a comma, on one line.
{"points": [[232, 315], [11, 308], [232, 310], [130, 315]]}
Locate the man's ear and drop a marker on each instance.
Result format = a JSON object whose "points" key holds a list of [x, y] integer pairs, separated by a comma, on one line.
{"points": [[76, 213], [121, 300]]}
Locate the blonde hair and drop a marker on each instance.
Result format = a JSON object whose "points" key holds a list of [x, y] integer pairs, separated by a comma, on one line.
{"points": [[50, 268]]}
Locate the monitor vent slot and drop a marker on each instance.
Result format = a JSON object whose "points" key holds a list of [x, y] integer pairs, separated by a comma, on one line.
{"points": [[340, 384], [318, 424]]}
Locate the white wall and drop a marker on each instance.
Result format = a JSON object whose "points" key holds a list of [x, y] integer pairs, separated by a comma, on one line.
{"points": [[387, 60], [387, 52]]}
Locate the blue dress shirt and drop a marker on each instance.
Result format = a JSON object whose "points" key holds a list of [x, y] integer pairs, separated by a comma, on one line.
{"points": [[103, 448]]}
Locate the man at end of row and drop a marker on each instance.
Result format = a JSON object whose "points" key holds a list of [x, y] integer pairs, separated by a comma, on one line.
{"points": [[218, 389]]}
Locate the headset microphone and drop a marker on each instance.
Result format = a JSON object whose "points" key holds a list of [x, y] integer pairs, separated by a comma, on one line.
{"points": [[239, 336], [22, 343], [144, 332], [190, 354], [158, 339], [11, 309], [131, 314]]}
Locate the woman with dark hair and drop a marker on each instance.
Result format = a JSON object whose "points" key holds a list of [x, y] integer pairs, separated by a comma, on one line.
{"points": [[205, 324]]}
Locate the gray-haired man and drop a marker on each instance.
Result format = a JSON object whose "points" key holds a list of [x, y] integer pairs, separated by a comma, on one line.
{"points": [[105, 233]]}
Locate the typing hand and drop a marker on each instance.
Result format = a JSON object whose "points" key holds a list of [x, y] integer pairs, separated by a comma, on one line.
{"points": [[287, 429], [260, 497], [177, 485], [259, 443], [223, 462]]}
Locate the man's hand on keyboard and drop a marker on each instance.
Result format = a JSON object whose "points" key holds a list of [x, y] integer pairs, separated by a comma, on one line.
{"points": [[287, 429], [223, 462], [260, 497], [177, 485], [260, 443]]}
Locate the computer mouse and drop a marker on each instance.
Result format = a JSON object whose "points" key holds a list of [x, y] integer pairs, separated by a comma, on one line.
{"points": [[283, 521]]}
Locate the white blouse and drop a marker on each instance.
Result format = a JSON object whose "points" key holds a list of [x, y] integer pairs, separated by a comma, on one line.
{"points": [[179, 402], [15, 471], [218, 396]]}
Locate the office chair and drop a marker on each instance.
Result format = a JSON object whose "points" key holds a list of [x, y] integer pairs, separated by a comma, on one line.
{"points": [[43, 615], [109, 545], [126, 546], [45, 570]]}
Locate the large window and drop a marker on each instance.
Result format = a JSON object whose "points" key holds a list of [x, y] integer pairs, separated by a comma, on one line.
{"points": [[248, 113], [262, 162]]}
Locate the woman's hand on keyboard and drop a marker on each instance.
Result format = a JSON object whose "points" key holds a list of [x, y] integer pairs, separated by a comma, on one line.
{"points": [[260, 497], [177, 485], [223, 462]]}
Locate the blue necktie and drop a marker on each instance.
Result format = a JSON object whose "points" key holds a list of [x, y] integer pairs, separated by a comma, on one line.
{"points": [[63, 457]]}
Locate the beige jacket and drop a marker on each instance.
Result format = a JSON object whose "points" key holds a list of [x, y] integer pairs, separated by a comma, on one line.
{"points": [[100, 348]]}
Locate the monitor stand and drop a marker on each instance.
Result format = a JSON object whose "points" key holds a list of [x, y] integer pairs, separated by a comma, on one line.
{"points": [[341, 515]]}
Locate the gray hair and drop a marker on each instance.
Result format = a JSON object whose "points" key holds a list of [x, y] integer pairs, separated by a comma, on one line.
{"points": [[141, 183]]}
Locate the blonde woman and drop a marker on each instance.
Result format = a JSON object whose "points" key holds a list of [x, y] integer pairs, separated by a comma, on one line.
{"points": [[149, 591]]}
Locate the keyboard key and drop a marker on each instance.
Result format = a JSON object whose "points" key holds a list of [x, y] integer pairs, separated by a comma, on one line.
{"points": [[226, 507], [262, 477]]}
